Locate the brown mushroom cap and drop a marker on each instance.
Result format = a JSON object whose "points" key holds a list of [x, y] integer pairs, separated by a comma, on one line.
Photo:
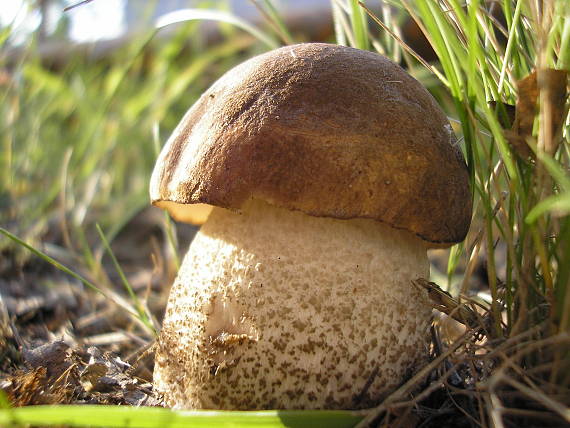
{"points": [[329, 130]]}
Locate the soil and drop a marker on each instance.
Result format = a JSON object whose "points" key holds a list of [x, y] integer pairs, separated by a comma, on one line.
{"points": [[63, 343]]}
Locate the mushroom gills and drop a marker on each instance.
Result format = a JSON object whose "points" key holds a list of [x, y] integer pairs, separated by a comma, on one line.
{"points": [[278, 309]]}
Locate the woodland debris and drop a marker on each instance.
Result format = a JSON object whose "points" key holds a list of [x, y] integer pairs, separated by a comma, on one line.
{"points": [[553, 86], [59, 374]]}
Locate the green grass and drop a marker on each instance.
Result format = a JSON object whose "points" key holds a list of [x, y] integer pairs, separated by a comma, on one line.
{"points": [[77, 145], [521, 203], [148, 417], [68, 138]]}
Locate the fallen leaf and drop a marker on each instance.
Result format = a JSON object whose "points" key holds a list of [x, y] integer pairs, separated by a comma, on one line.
{"points": [[53, 356], [553, 84]]}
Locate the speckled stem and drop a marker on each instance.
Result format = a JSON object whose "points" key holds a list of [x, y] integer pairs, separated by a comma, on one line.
{"points": [[278, 309]]}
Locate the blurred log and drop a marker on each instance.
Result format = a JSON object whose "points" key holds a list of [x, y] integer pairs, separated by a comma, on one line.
{"points": [[55, 54]]}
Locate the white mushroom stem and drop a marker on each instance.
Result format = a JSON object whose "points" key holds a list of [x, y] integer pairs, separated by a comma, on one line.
{"points": [[277, 309]]}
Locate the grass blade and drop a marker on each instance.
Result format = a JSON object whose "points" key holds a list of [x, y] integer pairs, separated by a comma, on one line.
{"points": [[510, 45], [338, 16], [139, 307], [564, 58], [557, 204], [184, 15], [276, 19], [109, 295], [359, 25], [150, 417], [52, 261]]}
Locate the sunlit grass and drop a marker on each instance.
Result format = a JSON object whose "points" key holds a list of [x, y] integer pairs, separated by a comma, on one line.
{"points": [[143, 417]]}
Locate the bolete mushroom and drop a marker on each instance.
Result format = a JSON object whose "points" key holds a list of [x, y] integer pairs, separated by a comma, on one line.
{"points": [[330, 172]]}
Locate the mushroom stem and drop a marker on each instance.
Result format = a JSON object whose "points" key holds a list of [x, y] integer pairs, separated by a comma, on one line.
{"points": [[278, 309]]}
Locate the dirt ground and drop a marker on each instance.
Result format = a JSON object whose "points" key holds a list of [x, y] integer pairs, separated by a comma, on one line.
{"points": [[61, 342]]}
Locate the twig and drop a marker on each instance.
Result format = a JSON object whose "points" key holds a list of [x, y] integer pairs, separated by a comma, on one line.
{"points": [[435, 385], [462, 410], [533, 394], [495, 410]]}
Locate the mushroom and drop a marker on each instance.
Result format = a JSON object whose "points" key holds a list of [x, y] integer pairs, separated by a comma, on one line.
{"points": [[324, 173]]}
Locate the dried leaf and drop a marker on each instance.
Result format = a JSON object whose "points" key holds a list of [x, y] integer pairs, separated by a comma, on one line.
{"points": [[25, 388], [526, 105], [553, 84], [519, 144], [91, 375], [61, 375], [53, 356]]}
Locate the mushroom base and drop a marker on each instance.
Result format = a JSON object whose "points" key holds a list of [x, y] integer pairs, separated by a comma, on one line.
{"points": [[278, 309]]}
